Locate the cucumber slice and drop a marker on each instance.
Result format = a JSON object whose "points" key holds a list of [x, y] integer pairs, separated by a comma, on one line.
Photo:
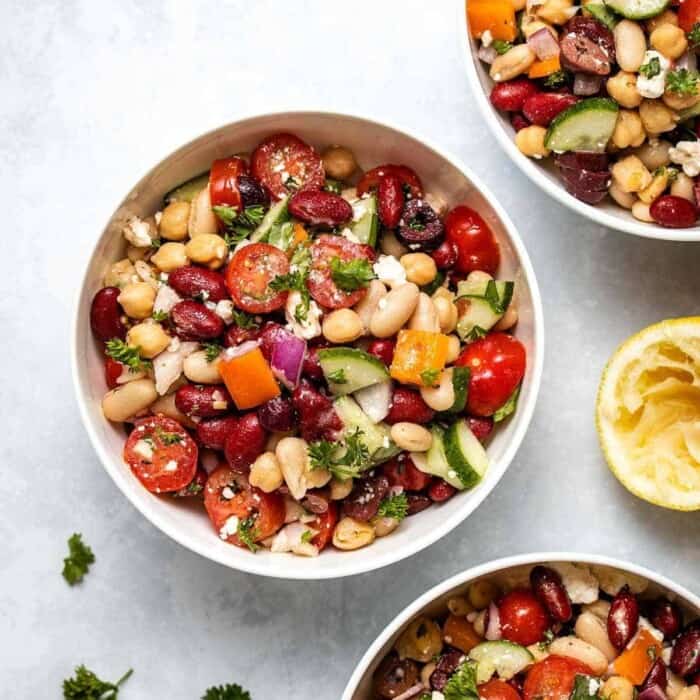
{"points": [[465, 454], [349, 369], [638, 9], [376, 436], [602, 13], [278, 213], [488, 302], [365, 220], [187, 191], [434, 460], [504, 658], [586, 126], [460, 385]]}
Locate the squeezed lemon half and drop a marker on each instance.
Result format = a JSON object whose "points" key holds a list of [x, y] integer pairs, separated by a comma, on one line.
{"points": [[648, 413]]}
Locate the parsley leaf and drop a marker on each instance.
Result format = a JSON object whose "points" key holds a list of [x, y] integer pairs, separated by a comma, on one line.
{"points": [[244, 320], [338, 376], [160, 316], [281, 235], [582, 688], [429, 376], [168, 438], [394, 507], [333, 186], [87, 686], [433, 286], [694, 36], [462, 683], [476, 333], [683, 81], [226, 692], [651, 69], [556, 79], [239, 225], [307, 536], [78, 561], [351, 275], [508, 407], [501, 46], [247, 533], [212, 351], [121, 352], [295, 281], [156, 243], [344, 460]]}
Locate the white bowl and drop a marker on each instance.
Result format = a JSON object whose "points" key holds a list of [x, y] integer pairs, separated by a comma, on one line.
{"points": [[435, 600], [373, 144], [544, 174]]}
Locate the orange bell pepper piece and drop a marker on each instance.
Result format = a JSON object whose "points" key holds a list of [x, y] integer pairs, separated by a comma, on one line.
{"points": [[634, 663], [495, 16], [459, 632], [540, 69], [300, 235], [417, 352], [249, 379]]}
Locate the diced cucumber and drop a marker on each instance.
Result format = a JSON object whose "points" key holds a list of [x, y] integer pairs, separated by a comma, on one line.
{"points": [[365, 220], [602, 13], [278, 213], [281, 235], [638, 9], [504, 658], [434, 460], [586, 126], [460, 386], [349, 369], [376, 436], [489, 300], [187, 191], [465, 455]]}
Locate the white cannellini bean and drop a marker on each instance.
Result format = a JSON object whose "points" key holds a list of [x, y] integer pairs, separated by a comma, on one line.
{"points": [[394, 310]]}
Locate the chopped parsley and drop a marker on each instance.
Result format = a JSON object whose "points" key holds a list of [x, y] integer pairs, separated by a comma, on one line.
{"points": [[281, 235], [121, 352], [168, 438], [508, 407], [429, 376], [160, 316], [683, 81], [651, 69], [344, 460], [556, 79], [78, 561], [694, 36], [307, 536], [248, 533], [394, 507], [462, 683], [156, 243], [212, 351], [291, 183], [230, 691], [244, 320], [295, 281], [85, 685], [333, 186], [338, 376], [476, 333], [239, 225], [582, 688], [500, 46], [351, 275]]}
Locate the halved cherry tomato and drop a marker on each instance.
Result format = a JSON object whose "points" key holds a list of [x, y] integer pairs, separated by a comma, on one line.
{"points": [[325, 524], [320, 283], [497, 364], [370, 180], [688, 14], [477, 248], [265, 509], [249, 274], [553, 678], [223, 181], [497, 689], [113, 370], [285, 164], [161, 454], [523, 619]]}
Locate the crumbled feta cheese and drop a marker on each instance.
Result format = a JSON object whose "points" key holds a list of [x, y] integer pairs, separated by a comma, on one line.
{"points": [[290, 539], [174, 345], [653, 87], [645, 624], [580, 583], [310, 327], [593, 686], [389, 270], [166, 298], [144, 449], [347, 233], [612, 580], [437, 695], [487, 38], [171, 466], [210, 305], [227, 493], [687, 154], [224, 310], [167, 366], [229, 528], [138, 232]]}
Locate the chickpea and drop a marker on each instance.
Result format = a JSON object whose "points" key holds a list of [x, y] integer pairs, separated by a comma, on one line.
{"points": [[658, 185], [120, 274], [265, 473], [420, 268], [146, 273], [202, 217], [617, 688], [129, 399], [420, 641], [555, 11], [170, 256], [447, 314], [683, 186], [384, 526], [666, 17], [134, 253], [339, 162], [340, 488], [454, 347], [352, 534], [411, 437], [678, 102], [624, 199], [629, 130], [669, 40], [137, 299], [481, 593], [207, 249], [640, 211], [530, 142], [622, 87], [199, 370], [149, 337], [459, 606], [513, 63], [342, 326], [654, 153], [657, 117], [173, 223], [630, 174]]}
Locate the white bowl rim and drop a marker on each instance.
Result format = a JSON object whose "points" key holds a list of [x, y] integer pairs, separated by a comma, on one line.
{"points": [[493, 567], [533, 171], [523, 414]]}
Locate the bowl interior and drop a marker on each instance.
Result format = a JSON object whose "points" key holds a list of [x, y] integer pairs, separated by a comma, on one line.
{"points": [[373, 144], [507, 574], [544, 174]]}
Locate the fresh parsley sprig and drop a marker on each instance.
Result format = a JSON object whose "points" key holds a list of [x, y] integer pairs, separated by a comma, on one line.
{"points": [[556, 79], [683, 81], [230, 691], [244, 320], [462, 683], [78, 561], [351, 275], [239, 225], [126, 354], [85, 685], [345, 460], [501, 47], [652, 68], [248, 533], [394, 507], [295, 281], [694, 36], [160, 316], [429, 376], [212, 351]]}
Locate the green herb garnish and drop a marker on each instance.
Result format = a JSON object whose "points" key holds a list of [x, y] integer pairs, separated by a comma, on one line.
{"points": [[121, 352], [683, 81], [212, 351], [307, 536], [582, 689], [462, 683], [78, 561], [244, 320], [85, 685], [226, 692], [344, 460], [394, 507], [160, 316], [429, 376], [651, 69], [556, 79], [168, 438], [351, 275], [247, 533], [239, 225], [694, 36], [333, 186], [500, 46], [508, 407], [338, 376]]}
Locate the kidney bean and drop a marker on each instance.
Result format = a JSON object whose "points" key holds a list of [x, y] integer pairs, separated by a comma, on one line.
{"points": [[195, 487], [212, 433], [518, 121], [312, 367], [445, 255], [390, 200], [317, 501], [623, 618], [320, 208], [447, 664], [106, 315], [203, 401], [251, 191], [685, 657], [673, 212], [362, 503], [542, 107], [440, 491], [408, 406], [666, 617], [401, 471], [549, 590], [318, 419], [394, 676], [657, 675], [235, 335], [277, 415], [383, 350], [194, 321], [191, 281], [481, 427], [245, 443], [510, 95], [417, 502], [113, 370]]}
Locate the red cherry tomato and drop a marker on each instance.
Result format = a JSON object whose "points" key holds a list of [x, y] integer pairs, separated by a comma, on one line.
{"points": [[161, 454], [223, 181], [688, 14], [370, 180], [225, 496], [113, 370], [249, 274], [477, 248], [285, 164], [523, 619], [325, 524], [497, 364], [553, 678], [320, 282], [497, 689]]}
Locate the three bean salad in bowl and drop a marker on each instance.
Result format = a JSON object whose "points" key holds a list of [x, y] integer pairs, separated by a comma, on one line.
{"points": [[311, 351], [605, 91]]}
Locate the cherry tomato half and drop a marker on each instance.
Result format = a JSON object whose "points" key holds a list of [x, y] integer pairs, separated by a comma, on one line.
{"points": [[225, 496], [553, 678], [523, 619], [161, 454], [497, 689], [477, 248], [325, 524], [497, 364], [284, 164], [249, 274], [223, 181], [370, 180], [688, 14]]}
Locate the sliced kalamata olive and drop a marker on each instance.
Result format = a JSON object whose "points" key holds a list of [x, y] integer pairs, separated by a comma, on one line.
{"points": [[420, 227], [394, 677], [578, 179], [585, 161], [447, 664], [252, 192]]}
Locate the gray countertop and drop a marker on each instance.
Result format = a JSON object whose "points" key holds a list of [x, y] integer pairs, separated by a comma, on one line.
{"points": [[93, 93]]}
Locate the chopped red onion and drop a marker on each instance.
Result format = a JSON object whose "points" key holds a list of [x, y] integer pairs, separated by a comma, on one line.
{"points": [[586, 84], [493, 629], [688, 60], [240, 350], [287, 358], [543, 44], [653, 692], [411, 692], [487, 54]]}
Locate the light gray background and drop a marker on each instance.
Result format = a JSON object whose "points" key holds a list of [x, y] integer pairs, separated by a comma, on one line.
{"points": [[91, 95]]}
